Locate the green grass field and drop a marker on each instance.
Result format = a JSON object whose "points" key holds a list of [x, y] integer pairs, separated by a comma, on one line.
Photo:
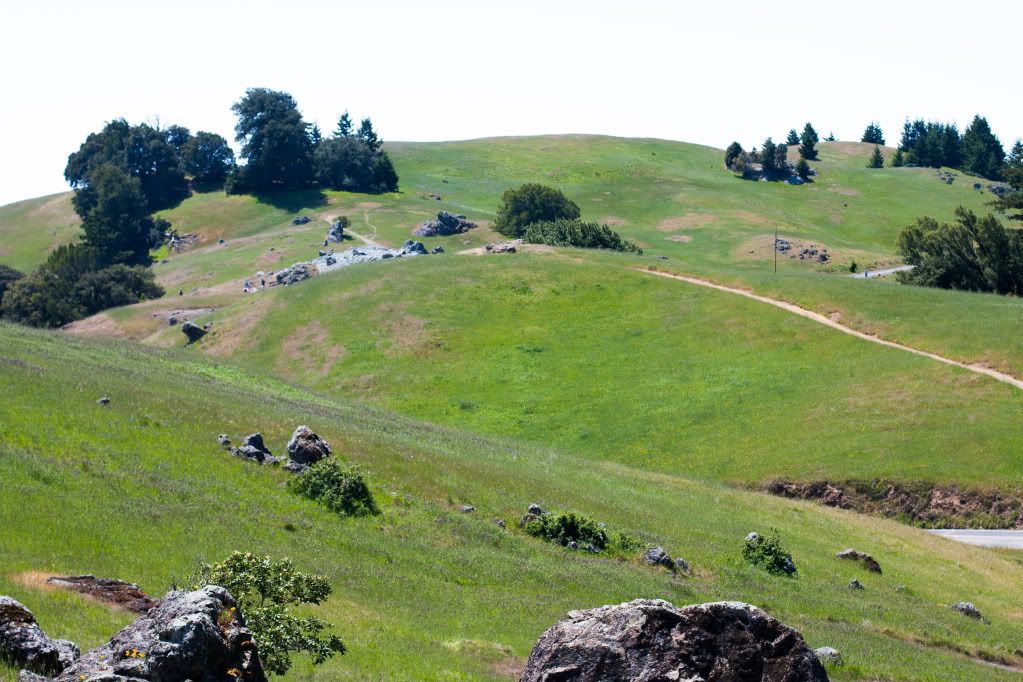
{"points": [[563, 377], [141, 491]]}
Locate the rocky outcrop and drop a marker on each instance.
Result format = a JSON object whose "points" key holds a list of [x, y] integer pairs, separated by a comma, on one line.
{"points": [[658, 556], [337, 230], [301, 220], [829, 655], [193, 331], [503, 247], [294, 274], [198, 636], [968, 609], [23, 642], [653, 640], [305, 448], [117, 592], [869, 562], [445, 225], [253, 448]]}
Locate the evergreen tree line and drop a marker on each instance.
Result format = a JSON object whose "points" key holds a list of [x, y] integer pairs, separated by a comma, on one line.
{"points": [[283, 151], [932, 144]]}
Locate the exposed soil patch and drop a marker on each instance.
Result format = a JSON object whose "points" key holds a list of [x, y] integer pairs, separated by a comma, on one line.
{"points": [[686, 221], [310, 347], [916, 502], [100, 324], [117, 592], [683, 238], [612, 221]]}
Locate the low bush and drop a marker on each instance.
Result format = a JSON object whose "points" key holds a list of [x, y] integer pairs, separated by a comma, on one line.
{"points": [[338, 486], [567, 527], [768, 554], [532, 203], [579, 234]]}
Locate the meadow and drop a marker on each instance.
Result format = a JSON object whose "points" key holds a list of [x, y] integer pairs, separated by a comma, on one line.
{"points": [[140, 490]]}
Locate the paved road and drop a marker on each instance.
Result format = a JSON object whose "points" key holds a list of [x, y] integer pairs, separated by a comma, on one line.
{"points": [[1010, 539], [871, 274]]}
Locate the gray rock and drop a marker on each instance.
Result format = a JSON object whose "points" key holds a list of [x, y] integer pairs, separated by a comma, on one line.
{"points": [[501, 523], [467, 509], [301, 220], [193, 331], [967, 609], [829, 655], [854, 584], [299, 272], [413, 247], [295, 467], [224, 441], [305, 447], [104, 401], [682, 566], [446, 224], [437, 249], [649, 639], [866, 560], [188, 636], [24, 643], [171, 321], [535, 509], [504, 247], [337, 230], [253, 448], [753, 537], [27, 676], [656, 556]]}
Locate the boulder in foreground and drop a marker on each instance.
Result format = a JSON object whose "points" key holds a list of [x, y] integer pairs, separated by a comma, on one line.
{"points": [[649, 639], [198, 636], [25, 644]]}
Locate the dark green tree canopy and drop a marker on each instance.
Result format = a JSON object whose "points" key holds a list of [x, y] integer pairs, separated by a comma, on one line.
{"points": [[177, 136], [972, 254], [873, 134], [731, 154], [368, 135], [532, 203], [808, 143], [876, 159], [275, 140], [982, 153], [208, 159], [793, 138], [8, 276], [116, 223], [769, 158], [344, 163], [803, 169], [142, 152]]}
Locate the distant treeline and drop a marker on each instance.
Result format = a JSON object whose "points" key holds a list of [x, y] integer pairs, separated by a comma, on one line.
{"points": [[978, 151]]}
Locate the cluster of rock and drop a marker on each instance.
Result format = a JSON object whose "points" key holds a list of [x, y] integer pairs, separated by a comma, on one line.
{"points": [[330, 260], [658, 556], [198, 635], [23, 642], [805, 253], [445, 225], [118, 592], [946, 177], [299, 272], [504, 247], [304, 449], [969, 610], [649, 639], [193, 332], [301, 220]]}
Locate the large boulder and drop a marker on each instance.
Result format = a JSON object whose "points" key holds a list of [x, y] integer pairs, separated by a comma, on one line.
{"points": [[305, 447], [118, 592], [649, 639], [193, 331], [253, 448], [868, 562], [198, 636], [445, 224], [25, 644]]}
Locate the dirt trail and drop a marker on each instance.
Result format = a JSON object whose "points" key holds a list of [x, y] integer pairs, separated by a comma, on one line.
{"points": [[828, 322], [368, 241]]}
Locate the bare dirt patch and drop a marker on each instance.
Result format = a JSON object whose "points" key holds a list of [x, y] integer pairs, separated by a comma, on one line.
{"points": [[761, 247], [918, 502], [686, 221], [114, 593], [369, 204], [613, 221], [100, 324], [844, 191], [750, 218], [310, 347], [681, 238], [409, 335]]}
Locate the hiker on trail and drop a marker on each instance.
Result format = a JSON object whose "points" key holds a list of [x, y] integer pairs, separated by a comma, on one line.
{"points": [[181, 292]]}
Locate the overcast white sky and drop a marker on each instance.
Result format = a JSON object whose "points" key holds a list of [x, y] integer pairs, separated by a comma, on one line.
{"points": [[709, 71]]}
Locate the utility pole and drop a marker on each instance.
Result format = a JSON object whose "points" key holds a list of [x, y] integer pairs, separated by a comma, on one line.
{"points": [[776, 248]]}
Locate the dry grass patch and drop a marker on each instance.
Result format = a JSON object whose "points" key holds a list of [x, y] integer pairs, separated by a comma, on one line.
{"points": [[234, 333], [681, 238], [310, 347], [613, 221], [100, 324], [751, 218], [686, 221]]}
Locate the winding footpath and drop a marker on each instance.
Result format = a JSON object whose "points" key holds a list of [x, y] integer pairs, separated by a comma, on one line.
{"points": [[828, 322]]}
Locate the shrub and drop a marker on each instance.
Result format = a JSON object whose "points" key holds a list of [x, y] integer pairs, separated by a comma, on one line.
{"points": [[577, 233], [264, 590], [568, 527], [732, 153], [338, 486], [532, 203], [8, 276], [767, 553]]}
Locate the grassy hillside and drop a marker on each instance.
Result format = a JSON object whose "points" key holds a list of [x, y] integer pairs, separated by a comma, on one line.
{"points": [[613, 364], [141, 491], [30, 229]]}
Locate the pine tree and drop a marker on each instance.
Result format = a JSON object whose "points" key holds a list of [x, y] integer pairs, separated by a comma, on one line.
{"points": [[876, 159], [368, 135], [314, 134], [808, 143], [873, 134], [1015, 159], [793, 138], [767, 157], [803, 169], [898, 159], [344, 126], [982, 152], [731, 154]]}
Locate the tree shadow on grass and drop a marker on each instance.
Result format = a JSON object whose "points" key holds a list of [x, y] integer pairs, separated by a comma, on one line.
{"points": [[293, 201]]}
